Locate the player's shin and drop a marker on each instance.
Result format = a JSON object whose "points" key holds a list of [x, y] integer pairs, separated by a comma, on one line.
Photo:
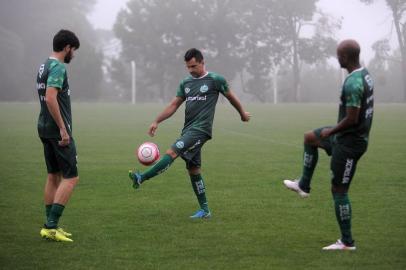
{"points": [[310, 158], [343, 214], [200, 191], [159, 167]]}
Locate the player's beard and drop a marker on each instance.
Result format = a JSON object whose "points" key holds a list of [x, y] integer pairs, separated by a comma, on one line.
{"points": [[68, 57]]}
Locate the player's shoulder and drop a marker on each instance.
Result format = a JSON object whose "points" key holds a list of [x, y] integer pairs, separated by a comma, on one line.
{"points": [[55, 64], [215, 76], [186, 79], [354, 80]]}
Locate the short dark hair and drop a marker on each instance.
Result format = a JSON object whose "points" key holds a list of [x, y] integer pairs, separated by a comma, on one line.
{"points": [[193, 53], [64, 38]]}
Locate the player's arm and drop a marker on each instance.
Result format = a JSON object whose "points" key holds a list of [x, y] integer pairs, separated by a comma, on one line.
{"points": [[53, 108], [351, 119], [232, 98], [165, 114]]}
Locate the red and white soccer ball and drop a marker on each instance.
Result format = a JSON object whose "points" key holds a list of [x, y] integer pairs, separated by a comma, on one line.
{"points": [[148, 153]]}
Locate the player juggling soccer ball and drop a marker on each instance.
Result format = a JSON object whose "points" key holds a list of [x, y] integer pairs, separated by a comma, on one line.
{"points": [[200, 91], [55, 132], [345, 142]]}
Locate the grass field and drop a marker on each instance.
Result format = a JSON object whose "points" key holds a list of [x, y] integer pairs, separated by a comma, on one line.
{"points": [[256, 222]]}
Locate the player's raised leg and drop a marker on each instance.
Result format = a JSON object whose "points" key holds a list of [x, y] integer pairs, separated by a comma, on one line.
{"points": [[310, 158], [162, 165]]}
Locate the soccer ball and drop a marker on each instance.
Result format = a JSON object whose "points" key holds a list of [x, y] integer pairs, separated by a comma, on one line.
{"points": [[148, 153]]}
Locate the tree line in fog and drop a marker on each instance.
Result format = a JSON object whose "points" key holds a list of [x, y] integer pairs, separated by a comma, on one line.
{"points": [[259, 45]]}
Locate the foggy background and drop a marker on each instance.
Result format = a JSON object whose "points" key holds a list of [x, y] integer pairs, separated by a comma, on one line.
{"points": [[268, 50]]}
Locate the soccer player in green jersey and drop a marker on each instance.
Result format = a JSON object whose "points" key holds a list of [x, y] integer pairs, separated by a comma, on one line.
{"points": [[345, 142], [55, 132], [200, 91]]}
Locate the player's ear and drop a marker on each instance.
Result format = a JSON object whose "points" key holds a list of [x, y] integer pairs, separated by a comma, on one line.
{"points": [[67, 48]]}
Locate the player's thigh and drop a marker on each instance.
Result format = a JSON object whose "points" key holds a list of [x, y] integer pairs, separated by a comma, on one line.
{"points": [[189, 142], [324, 143], [50, 156], [67, 159], [343, 166]]}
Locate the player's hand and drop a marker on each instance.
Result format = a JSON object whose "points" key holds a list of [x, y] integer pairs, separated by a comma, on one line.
{"points": [[65, 139], [152, 129], [325, 132], [245, 117]]}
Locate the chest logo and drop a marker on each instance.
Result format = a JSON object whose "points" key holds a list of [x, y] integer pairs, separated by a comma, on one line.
{"points": [[187, 90], [204, 88]]}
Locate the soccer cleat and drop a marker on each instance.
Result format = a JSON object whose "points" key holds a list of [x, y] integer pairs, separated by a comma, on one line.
{"points": [[136, 178], [62, 231], [54, 234], [201, 214], [294, 186], [339, 246]]}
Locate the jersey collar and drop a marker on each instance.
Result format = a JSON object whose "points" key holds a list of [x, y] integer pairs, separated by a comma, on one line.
{"points": [[356, 70], [201, 76]]}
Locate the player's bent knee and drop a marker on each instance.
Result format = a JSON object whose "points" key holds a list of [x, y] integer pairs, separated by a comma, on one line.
{"points": [[310, 138], [194, 171], [172, 153], [72, 181], [336, 189]]}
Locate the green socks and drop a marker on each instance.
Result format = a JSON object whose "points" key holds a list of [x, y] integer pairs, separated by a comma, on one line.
{"points": [[310, 158], [343, 214], [48, 209], [159, 167], [200, 192], [54, 214]]}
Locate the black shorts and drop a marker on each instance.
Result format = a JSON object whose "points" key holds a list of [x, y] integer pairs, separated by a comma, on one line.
{"points": [[189, 146], [344, 159], [60, 159]]}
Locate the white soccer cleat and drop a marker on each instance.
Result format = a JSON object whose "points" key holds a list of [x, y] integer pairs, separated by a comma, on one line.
{"points": [[339, 246], [294, 186]]}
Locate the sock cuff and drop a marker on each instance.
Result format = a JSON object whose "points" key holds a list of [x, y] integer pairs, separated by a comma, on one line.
{"points": [[195, 177], [58, 205]]}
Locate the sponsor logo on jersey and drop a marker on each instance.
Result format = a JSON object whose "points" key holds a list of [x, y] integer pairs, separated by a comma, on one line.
{"points": [[41, 70], [196, 98], [41, 86], [369, 81], [204, 88], [187, 90], [180, 144]]}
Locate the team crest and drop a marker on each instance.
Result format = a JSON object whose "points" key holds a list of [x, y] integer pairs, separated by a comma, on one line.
{"points": [[180, 144], [187, 90], [204, 88]]}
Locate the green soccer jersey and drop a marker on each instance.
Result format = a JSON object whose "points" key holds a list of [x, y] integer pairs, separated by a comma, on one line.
{"points": [[357, 91], [53, 74], [201, 95]]}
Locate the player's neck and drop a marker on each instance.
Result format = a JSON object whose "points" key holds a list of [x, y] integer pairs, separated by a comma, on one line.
{"points": [[58, 55], [353, 67]]}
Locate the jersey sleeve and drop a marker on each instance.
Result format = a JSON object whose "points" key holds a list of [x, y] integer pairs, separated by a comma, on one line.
{"points": [[180, 92], [56, 75], [222, 84], [353, 92]]}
